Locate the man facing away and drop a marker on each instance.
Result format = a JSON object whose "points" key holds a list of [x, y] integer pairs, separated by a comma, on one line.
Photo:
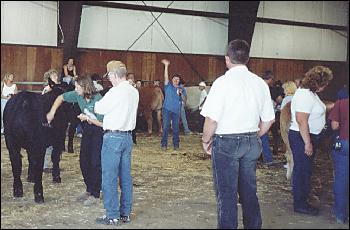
{"points": [[238, 110], [119, 107]]}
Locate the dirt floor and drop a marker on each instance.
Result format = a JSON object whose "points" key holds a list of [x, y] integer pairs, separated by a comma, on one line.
{"points": [[172, 189]]}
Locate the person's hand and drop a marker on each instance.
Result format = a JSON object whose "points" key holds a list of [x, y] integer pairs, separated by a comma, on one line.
{"points": [[165, 62], [308, 149], [83, 117], [329, 106], [207, 146], [49, 116]]}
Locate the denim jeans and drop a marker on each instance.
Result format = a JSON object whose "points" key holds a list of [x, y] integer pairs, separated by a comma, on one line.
{"points": [[341, 180], [234, 158], [3, 103], [302, 170], [167, 117], [116, 163], [267, 155], [90, 158], [184, 120]]}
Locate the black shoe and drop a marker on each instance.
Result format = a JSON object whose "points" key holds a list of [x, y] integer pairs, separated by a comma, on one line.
{"points": [[308, 210], [107, 221], [56, 179], [125, 219], [70, 150]]}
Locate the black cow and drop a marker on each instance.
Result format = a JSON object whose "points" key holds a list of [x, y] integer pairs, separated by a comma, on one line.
{"points": [[25, 126]]}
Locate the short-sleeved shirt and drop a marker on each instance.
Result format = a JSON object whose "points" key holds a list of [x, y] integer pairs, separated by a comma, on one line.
{"points": [[238, 101], [172, 100], [340, 113], [74, 97], [306, 101]]}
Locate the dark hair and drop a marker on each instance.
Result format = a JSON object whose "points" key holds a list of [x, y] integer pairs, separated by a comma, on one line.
{"points": [[95, 77], [88, 87], [268, 74], [238, 51], [176, 75], [317, 77]]}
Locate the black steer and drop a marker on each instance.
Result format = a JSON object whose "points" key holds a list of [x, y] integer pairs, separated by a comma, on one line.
{"points": [[25, 126]]}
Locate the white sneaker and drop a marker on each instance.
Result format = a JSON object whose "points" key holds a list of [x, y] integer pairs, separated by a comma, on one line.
{"points": [[79, 135]]}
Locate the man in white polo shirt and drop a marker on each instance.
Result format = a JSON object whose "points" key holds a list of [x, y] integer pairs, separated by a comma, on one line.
{"points": [[119, 107], [238, 110]]}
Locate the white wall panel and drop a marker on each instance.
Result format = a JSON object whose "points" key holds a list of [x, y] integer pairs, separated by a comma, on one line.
{"points": [[277, 41], [256, 48], [335, 12], [307, 43], [209, 37], [179, 27], [93, 27], [334, 45], [308, 11], [278, 9], [211, 6], [29, 22], [109, 28], [296, 42]]}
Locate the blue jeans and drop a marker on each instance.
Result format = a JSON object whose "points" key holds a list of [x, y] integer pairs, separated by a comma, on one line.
{"points": [[234, 158], [167, 117], [267, 155], [184, 120], [302, 170], [341, 180], [116, 163], [3, 103]]}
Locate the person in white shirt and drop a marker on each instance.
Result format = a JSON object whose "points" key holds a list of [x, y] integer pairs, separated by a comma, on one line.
{"points": [[202, 87], [119, 107], [8, 89], [238, 110], [289, 89], [308, 114]]}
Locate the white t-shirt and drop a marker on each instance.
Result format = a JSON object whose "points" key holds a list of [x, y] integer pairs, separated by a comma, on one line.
{"points": [[6, 90], [307, 102], [119, 107], [237, 101], [98, 86]]}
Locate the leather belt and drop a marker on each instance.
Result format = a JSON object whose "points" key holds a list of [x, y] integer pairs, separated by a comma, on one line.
{"points": [[116, 131]]}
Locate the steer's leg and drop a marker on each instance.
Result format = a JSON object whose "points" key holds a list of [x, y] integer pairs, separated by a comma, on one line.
{"points": [[149, 119], [55, 157], [159, 120], [37, 157], [16, 163]]}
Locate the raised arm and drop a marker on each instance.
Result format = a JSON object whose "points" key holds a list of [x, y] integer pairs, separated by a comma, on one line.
{"points": [[166, 72], [50, 115]]}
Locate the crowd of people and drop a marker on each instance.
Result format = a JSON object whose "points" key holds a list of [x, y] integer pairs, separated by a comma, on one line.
{"points": [[237, 115]]}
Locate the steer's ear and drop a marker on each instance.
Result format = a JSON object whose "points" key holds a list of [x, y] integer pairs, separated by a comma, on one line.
{"points": [[51, 83]]}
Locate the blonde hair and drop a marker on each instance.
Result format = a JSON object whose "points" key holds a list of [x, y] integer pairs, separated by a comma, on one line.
{"points": [[6, 78], [117, 67], [317, 77], [289, 88], [48, 74]]}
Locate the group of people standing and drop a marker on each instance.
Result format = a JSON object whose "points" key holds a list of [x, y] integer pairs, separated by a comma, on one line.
{"points": [[231, 135]]}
